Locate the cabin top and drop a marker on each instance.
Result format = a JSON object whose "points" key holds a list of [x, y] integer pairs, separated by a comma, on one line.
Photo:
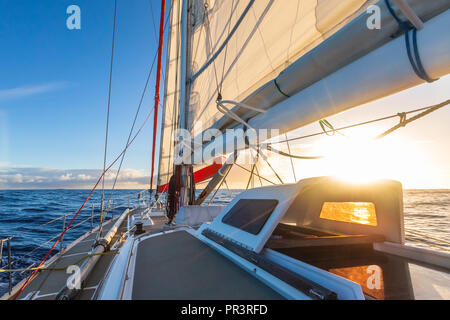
{"points": [[321, 206]]}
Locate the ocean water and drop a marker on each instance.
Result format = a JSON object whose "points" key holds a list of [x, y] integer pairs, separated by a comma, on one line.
{"points": [[24, 215]]}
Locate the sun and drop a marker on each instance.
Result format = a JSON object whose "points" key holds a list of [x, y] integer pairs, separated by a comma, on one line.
{"points": [[356, 156]]}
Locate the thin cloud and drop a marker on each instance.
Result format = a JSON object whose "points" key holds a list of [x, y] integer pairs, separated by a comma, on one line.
{"points": [[26, 91], [47, 178]]}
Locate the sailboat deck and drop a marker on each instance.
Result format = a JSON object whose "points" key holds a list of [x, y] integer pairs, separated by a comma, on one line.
{"points": [[47, 283], [177, 265]]}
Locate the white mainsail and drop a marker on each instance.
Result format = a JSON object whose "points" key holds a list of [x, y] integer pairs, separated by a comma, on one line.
{"points": [[235, 47], [271, 36], [171, 94]]}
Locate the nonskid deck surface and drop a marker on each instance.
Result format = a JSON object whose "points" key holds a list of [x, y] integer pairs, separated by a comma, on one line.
{"points": [[177, 265], [47, 283], [97, 275]]}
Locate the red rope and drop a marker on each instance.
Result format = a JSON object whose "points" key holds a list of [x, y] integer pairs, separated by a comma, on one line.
{"points": [[79, 210], [157, 87]]}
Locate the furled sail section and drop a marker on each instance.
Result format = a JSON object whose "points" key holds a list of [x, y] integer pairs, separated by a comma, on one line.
{"points": [[237, 46], [171, 95]]}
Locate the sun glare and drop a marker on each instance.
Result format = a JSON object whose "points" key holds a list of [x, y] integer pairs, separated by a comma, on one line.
{"points": [[357, 157]]}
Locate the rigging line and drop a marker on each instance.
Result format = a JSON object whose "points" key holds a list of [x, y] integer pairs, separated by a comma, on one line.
{"points": [[17, 235], [257, 174], [324, 123], [202, 182], [267, 161], [107, 116], [226, 48], [404, 121], [230, 35], [264, 45], [243, 168], [61, 268], [292, 31], [253, 169], [82, 206], [194, 57], [218, 188], [33, 250], [165, 25], [247, 41], [290, 158], [153, 21], [221, 107], [208, 33], [361, 123], [228, 189], [154, 25], [223, 32], [44, 243], [132, 126]]}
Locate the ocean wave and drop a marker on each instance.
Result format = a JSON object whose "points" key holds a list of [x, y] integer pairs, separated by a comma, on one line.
{"points": [[45, 208], [34, 209], [424, 215]]}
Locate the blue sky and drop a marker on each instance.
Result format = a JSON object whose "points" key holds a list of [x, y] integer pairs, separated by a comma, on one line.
{"points": [[53, 100], [53, 88]]}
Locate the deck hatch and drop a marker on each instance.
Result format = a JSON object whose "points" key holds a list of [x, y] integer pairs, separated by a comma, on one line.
{"points": [[250, 215]]}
